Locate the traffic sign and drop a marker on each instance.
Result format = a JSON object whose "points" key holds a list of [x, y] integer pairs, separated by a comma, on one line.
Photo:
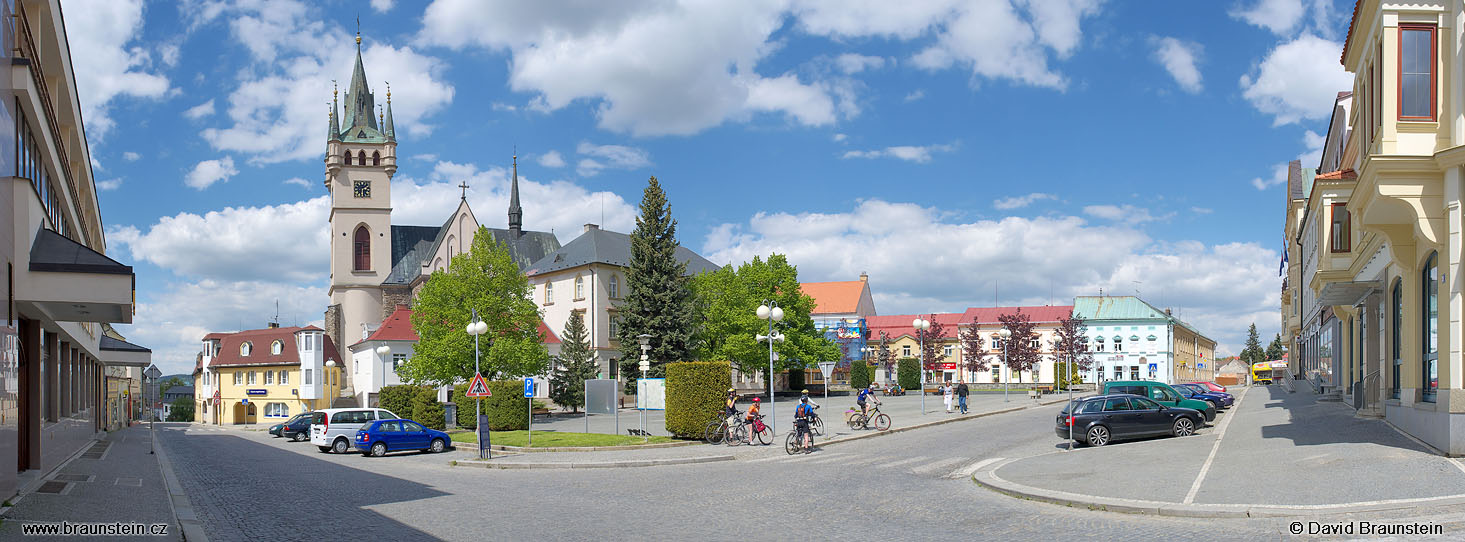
{"points": [[217, 395], [246, 400], [152, 372], [529, 387], [478, 388]]}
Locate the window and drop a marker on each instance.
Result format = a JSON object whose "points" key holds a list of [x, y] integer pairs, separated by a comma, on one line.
{"points": [[615, 327], [205, 378], [376, 158], [1431, 382], [996, 374], [579, 287], [1416, 72], [361, 157], [245, 348], [947, 350], [1118, 373], [269, 377], [1119, 344], [347, 157], [410, 427], [252, 378], [276, 347], [398, 360], [1098, 344], [1134, 372], [276, 410], [284, 377], [905, 350], [238, 378], [362, 249], [1398, 350], [307, 377], [615, 287], [1035, 344], [549, 293], [1115, 404], [1342, 237], [1140, 403], [389, 427]]}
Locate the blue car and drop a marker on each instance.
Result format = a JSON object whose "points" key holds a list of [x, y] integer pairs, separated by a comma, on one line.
{"points": [[381, 436], [1218, 398]]}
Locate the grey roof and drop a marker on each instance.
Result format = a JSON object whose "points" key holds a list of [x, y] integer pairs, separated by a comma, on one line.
{"points": [[608, 247], [109, 343], [54, 253], [181, 391], [410, 245], [528, 247]]}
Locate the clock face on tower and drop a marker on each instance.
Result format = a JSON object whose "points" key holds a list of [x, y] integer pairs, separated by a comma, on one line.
{"points": [[363, 189]]}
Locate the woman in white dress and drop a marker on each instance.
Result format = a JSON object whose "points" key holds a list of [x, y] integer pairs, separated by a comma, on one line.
{"points": [[949, 392]]}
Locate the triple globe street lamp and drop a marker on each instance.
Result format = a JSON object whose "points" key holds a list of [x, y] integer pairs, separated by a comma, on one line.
{"points": [[770, 311], [922, 326], [475, 328], [1006, 378]]}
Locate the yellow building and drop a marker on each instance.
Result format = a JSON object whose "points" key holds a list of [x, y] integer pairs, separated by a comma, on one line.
{"points": [[265, 375]]}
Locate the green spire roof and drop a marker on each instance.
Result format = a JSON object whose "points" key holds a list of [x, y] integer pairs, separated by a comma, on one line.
{"points": [[359, 100]]}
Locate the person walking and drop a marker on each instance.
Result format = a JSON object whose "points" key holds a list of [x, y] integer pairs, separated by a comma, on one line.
{"points": [[961, 393], [948, 392]]}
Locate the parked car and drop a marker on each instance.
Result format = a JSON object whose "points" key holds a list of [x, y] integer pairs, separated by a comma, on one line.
{"points": [[1217, 399], [377, 438], [1101, 419], [1161, 393], [298, 428], [333, 429], [278, 429], [1210, 386]]}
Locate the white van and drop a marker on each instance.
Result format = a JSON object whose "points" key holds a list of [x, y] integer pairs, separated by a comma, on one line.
{"points": [[333, 429]]}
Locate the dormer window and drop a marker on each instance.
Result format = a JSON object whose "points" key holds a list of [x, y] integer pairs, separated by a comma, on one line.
{"points": [[276, 347], [246, 348]]}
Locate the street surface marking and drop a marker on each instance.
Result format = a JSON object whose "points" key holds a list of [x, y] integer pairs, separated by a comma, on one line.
{"points": [[969, 469], [828, 459], [1220, 432], [806, 457], [933, 467], [904, 462]]}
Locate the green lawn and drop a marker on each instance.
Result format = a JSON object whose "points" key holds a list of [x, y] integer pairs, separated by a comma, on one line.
{"points": [[549, 439]]}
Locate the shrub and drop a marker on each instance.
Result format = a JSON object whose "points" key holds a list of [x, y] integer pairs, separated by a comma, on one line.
{"points": [[398, 399], [860, 374], [908, 373], [507, 409], [427, 411], [694, 395], [182, 410], [795, 379]]}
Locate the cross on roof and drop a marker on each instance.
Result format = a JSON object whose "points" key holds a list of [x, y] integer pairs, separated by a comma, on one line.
{"points": [[464, 186]]}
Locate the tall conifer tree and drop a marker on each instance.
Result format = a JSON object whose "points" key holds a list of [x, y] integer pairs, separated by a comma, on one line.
{"points": [[660, 302]]}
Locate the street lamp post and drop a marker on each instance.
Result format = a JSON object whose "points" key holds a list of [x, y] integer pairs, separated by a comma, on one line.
{"points": [[921, 326], [645, 341], [1006, 378], [864, 358], [325, 382], [475, 328], [769, 311]]}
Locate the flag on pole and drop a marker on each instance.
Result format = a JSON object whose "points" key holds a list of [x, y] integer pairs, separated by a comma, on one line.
{"points": [[1282, 267]]}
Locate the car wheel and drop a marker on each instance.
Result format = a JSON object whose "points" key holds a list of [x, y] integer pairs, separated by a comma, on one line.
{"points": [[300, 437], [1098, 435], [324, 449], [1215, 405], [1183, 427], [340, 446], [438, 446], [379, 449]]}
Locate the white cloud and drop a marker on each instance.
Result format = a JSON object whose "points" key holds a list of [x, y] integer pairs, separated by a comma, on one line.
{"points": [[1179, 58], [287, 242], [993, 40], [208, 172], [105, 66], [915, 95], [200, 111], [1219, 288], [274, 112], [839, 138], [1298, 80], [297, 181], [1201, 210], [852, 63], [168, 53], [382, 6], [909, 153], [109, 184], [1018, 202], [1279, 16], [425, 157], [1124, 213], [609, 157], [559, 206], [131, 156], [1312, 144], [552, 159]]}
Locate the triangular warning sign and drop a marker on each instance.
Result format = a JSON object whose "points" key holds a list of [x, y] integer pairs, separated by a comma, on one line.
{"points": [[478, 388]]}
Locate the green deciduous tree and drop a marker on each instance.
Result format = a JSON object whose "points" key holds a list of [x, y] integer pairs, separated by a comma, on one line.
{"points": [[729, 300], [660, 299], [573, 366], [485, 278], [182, 410]]}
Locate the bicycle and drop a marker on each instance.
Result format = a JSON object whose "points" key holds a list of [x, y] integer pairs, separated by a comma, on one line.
{"points": [[859, 420], [717, 429], [794, 443], [759, 429]]}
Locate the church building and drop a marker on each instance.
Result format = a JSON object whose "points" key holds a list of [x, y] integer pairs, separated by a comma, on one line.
{"points": [[376, 265]]}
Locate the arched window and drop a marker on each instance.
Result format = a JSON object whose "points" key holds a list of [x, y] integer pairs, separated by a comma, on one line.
{"points": [[362, 249], [361, 157], [245, 348], [276, 347], [549, 293], [579, 287], [376, 158], [347, 157], [1398, 342], [615, 287], [1431, 310]]}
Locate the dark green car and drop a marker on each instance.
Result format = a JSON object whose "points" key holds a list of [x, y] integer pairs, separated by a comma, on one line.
{"points": [[1162, 393]]}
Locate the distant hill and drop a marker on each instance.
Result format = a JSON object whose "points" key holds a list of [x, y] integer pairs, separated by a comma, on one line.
{"points": [[186, 379]]}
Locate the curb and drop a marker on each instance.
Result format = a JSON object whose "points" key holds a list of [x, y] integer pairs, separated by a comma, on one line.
{"points": [[522, 449], [938, 422], [596, 464], [178, 500]]}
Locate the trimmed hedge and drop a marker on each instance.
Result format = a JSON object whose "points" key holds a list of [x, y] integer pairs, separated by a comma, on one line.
{"points": [[694, 395], [860, 374], [507, 409], [427, 411], [398, 399], [795, 379], [908, 373]]}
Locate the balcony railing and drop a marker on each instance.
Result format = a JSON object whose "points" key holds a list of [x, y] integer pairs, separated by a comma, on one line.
{"points": [[25, 47]]}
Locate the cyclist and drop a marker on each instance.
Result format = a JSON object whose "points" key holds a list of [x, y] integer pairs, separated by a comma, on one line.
{"points": [[805, 398], [730, 410], [862, 400], [753, 415], [802, 414]]}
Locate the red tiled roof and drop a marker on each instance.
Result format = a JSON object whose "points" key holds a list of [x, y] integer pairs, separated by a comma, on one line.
{"points": [[1043, 313], [213, 336], [397, 327], [1349, 37], [834, 297], [546, 336], [1340, 175], [259, 353], [311, 328], [900, 325]]}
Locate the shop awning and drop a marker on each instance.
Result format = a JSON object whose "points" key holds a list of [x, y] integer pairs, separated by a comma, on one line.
{"points": [[122, 353], [1346, 293], [73, 283]]}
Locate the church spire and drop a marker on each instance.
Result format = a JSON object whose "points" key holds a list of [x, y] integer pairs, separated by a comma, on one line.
{"points": [[387, 128], [335, 134], [359, 100], [516, 214]]}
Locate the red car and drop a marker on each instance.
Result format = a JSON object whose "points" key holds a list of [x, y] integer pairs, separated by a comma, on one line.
{"points": [[1210, 386]]}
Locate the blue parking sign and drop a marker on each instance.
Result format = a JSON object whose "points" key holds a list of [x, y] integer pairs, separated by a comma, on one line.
{"points": [[529, 387]]}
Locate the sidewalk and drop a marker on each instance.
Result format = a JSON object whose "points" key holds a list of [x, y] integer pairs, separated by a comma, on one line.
{"points": [[115, 480], [1274, 453]]}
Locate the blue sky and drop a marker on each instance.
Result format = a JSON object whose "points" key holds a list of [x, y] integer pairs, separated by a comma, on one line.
{"points": [[1047, 148]]}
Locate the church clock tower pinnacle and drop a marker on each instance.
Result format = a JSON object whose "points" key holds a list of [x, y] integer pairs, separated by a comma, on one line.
{"points": [[361, 159]]}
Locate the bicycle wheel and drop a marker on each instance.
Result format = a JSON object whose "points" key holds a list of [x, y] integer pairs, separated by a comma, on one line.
{"points": [[791, 444], [717, 432], [765, 437], [817, 427], [737, 435], [882, 422], [856, 421]]}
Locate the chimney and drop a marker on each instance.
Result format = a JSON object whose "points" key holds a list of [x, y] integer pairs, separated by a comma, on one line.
{"points": [[590, 227], [864, 277], [1167, 312]]}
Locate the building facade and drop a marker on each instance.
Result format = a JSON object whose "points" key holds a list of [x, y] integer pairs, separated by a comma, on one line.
{"points": [[840, 312], [1133, 340], [60, 287], [895, 332], [266, 375]]}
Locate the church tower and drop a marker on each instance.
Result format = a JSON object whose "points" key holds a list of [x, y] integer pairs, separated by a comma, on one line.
{"points": [[361, 158]]}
